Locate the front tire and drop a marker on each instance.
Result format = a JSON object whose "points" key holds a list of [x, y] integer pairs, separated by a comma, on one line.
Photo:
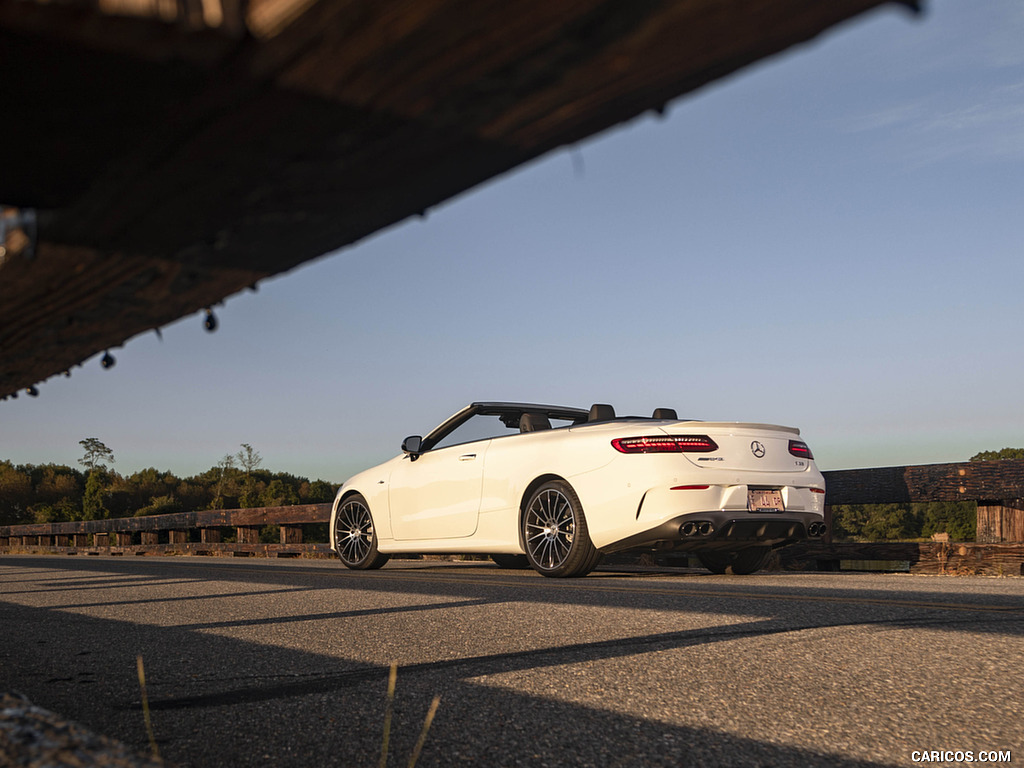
{"points": [[355, 539], [555, 533], [739, 563]]}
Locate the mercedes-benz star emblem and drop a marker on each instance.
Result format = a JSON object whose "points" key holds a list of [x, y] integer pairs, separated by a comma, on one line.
{"points": [[757, 449]]}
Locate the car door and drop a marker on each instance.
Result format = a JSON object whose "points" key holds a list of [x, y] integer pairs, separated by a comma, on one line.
{"points": [[437, 496]]}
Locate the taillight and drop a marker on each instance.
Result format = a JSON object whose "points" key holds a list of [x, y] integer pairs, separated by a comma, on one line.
{"points": [[799, 448], [665, 444]]}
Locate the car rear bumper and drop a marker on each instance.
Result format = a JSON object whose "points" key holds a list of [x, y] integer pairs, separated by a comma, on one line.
{"points": [[725, 529]]}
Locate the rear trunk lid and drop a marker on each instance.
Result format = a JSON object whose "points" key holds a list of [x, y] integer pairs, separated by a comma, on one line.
{"points": [[745, 446]]}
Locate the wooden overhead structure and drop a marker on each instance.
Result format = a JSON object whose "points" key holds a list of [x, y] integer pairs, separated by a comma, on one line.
{"points": [[157, 156]]}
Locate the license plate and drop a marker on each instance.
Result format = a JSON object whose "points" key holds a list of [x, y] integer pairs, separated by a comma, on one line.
{"points": [[764, 500]]}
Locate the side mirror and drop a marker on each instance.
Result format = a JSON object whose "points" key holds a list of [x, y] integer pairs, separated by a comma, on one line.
{"points": [[412, 445]]}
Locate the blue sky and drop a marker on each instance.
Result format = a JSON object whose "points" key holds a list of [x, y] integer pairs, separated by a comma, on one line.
{"points": [[831, 239]]}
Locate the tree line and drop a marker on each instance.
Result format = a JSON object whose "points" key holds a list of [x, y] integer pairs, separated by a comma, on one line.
{"points": [[50, 493]]}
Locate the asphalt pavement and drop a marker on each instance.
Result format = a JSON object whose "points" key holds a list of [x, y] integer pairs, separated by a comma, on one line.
{"points": [[285, 662]]}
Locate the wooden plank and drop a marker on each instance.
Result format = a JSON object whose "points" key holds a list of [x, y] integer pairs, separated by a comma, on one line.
{"points": [[209, 535], [966, 481], [295, 515]]}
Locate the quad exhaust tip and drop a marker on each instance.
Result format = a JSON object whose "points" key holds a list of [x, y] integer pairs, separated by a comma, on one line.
{"points": [[701, 528], [816, 530]]}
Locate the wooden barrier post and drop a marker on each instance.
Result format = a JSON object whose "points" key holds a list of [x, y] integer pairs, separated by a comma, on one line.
{"points": [[210, 535], [248, 534], [291, 534], [1000, 521]]}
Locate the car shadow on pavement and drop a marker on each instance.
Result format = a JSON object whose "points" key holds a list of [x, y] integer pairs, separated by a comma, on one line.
{"points": [[231, 690], [217, 700]]}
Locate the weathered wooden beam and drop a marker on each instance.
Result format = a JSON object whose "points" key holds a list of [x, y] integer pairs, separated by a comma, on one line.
{"points": [[202, 159], [966, 481], [295, 515]]}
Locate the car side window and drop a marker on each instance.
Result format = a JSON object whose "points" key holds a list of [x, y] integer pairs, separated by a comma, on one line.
{"points": [[479, 427]]}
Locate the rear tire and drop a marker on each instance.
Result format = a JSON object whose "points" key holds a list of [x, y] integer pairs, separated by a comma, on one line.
{"points": [[740, 563], [555, 533], [355, 539]]}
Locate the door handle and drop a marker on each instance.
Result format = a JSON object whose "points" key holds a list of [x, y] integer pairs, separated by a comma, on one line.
{"points": [[467, 457]]}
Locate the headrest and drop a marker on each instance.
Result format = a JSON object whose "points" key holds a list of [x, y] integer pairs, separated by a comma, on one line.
{"points": [[666, 413], [601, 412], [532, 422]]}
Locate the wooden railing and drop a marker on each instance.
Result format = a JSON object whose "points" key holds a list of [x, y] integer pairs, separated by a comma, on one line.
{"points": [[996, 486], [173, 534]]}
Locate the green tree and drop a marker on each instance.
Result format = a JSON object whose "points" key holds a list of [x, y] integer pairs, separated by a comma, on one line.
{"points": [[892, 522], [50, 492], [60, 512], [225, 483], [16, 494], [957, 518], [96, 454], [92, 501], [279, 494], [318, 492], [1005, 453], [249, 460], [160, 505], [848, 521]]}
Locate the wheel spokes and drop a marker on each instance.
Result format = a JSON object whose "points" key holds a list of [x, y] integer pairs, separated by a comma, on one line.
{"points": [[353, 532], [550, 528]]}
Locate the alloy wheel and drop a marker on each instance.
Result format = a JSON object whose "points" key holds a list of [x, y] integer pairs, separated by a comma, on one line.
{"points": [[550, 528], [353, 532]]}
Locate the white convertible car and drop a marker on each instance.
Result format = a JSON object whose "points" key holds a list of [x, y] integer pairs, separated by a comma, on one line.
{"points": [[554, 488]]}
